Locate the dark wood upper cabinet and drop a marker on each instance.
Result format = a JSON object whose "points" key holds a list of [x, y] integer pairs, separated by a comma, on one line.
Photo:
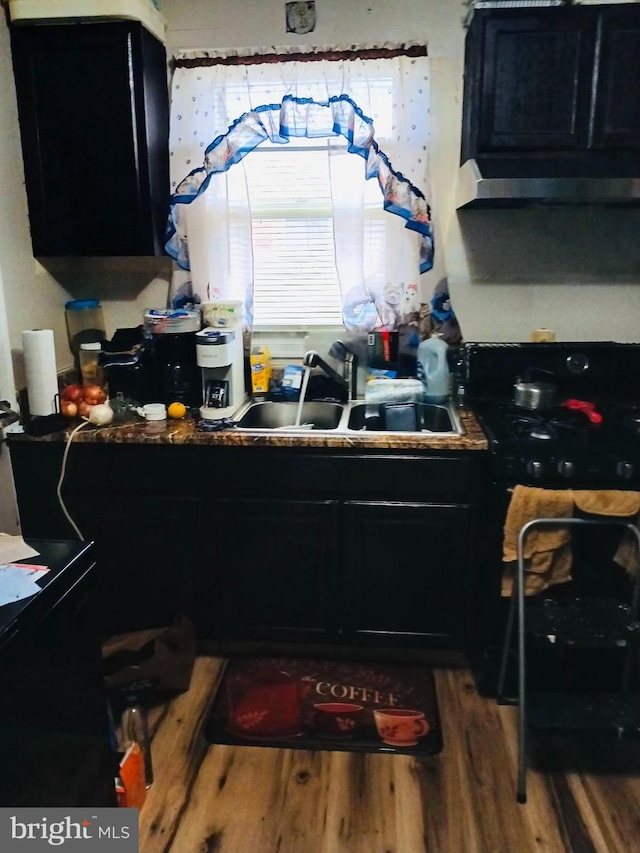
{"points": [[93, 110], [616, 108], [556, 86], [536, 83]]}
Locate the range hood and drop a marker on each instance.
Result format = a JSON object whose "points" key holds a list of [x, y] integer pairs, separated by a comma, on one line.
{"points": [[486, 187]]}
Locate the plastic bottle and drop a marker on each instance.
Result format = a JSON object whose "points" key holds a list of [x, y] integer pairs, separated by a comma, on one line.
{"points": [[433, 369], [90, 369], [136, 730]]}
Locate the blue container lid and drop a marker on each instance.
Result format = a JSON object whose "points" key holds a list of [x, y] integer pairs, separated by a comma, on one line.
{"points": [[79, 304]]}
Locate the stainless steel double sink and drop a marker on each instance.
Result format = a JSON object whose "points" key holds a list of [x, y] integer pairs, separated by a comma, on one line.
{"points": [[340, 418]]}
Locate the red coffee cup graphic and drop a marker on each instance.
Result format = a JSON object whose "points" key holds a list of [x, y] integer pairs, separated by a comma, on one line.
{"points": [[337, 719], [400, 726]]}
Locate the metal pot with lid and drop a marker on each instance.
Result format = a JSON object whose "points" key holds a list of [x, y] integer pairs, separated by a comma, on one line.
{"points": [[538, 394]]}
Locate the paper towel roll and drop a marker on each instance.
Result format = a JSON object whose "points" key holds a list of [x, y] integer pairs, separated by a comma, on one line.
{"points": [[40, 366]]}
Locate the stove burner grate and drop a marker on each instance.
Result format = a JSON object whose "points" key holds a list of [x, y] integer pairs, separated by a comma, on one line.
{"points": [[525, 424], [542, 432]]}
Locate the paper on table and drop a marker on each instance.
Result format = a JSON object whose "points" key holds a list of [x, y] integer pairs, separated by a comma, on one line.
{"points": [[18, 582], [14, 548]]}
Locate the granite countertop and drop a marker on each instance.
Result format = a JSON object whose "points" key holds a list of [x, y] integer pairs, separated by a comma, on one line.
{"points": [[139, 431]]}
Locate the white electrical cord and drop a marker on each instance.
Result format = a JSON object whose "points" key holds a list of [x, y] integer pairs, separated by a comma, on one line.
{"points": [[61, 480]]}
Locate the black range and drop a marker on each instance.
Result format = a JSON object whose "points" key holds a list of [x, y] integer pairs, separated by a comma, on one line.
{"points": [[589, 437]]}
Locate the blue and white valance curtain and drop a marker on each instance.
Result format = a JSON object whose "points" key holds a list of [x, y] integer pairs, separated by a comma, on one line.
{"points": [[220, 113]]}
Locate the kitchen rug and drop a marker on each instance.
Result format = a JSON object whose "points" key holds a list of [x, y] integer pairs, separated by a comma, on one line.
{"points": [[316, 704]]}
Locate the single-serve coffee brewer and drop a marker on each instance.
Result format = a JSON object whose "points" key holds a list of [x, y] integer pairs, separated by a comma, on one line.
{"points": [[220, 355]]}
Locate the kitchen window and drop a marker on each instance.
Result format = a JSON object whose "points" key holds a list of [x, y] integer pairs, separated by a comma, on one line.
{"points": [[295, 276], [277, 208]]}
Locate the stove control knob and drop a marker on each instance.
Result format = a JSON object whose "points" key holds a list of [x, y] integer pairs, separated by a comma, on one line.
{"points": [[566, 468], [624, 470], [535, 468]]}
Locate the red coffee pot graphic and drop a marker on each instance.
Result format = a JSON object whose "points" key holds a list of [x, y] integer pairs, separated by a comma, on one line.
{"points": [[268, 706]]}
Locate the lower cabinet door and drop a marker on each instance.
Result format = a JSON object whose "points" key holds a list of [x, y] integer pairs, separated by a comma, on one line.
{"points": [[145, 549], [406, 574], [278, 565]]}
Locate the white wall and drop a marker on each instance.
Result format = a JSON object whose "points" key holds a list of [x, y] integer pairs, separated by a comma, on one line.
{"points": [[576, 271], [32, 297]]}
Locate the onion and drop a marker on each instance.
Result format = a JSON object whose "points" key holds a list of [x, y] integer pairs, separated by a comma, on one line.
{"points": [[101, 414], [68, 409], [93, 395]]}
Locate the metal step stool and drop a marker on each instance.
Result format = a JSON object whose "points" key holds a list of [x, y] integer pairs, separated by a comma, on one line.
{"points": [[578, 622]]}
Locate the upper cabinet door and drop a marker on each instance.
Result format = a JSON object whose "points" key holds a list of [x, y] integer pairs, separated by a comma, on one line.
{"points": [[617, 80], [93, 110], [535, 82]]}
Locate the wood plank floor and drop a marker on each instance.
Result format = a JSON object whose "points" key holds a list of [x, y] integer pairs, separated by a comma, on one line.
{"points": [[227, 799]]}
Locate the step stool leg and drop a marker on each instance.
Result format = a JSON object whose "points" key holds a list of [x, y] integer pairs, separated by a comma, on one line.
{"points": [[522, 673]]}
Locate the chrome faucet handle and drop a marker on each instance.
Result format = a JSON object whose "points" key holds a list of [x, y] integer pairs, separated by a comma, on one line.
{"points": [[341, 351]]}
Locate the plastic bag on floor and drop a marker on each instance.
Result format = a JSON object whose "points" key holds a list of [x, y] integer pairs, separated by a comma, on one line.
{"points": [[154, 660]]}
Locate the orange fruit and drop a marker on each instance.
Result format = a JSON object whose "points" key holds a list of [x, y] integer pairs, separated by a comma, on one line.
{"points": [[177, 410]]}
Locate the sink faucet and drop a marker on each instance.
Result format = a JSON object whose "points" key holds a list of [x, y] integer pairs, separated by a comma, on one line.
{"points": [[311, 358], [349, 361]]}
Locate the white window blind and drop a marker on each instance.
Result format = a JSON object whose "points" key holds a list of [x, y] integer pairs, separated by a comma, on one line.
{"points": [[295, 278]]}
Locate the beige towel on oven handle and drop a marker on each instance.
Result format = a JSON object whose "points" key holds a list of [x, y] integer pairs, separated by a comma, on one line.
{"points": [[614, 502], [547, 550], [607, 502]]}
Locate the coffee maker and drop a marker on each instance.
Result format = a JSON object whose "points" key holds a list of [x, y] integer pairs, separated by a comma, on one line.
{"points": [[176, 370], [220, 355]]}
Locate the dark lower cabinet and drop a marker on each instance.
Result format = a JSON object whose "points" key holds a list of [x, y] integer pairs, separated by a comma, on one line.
{"points": [[406, 573], [277, 570], [145, 549], [354, 572], [277, 545]]}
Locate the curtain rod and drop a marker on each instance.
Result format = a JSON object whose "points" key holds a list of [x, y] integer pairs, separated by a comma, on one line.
{"points": [[333, 55]]}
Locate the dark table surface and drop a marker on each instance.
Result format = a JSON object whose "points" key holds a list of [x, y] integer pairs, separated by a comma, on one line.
{"points": [[69, 562], [55, 742]]}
